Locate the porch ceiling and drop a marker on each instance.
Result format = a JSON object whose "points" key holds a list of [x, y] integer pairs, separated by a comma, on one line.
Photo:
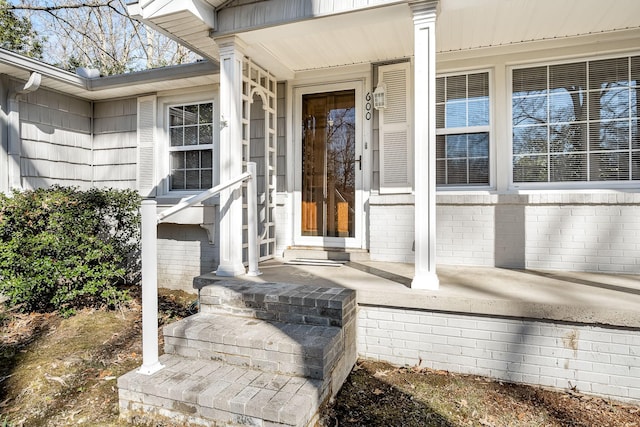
{"points": [[311, 40], [289, 36], [372, 35], [469, 24], [386, 33]]}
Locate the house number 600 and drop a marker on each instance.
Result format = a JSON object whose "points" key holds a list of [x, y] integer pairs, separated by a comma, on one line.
{"points": [[367, 106]]}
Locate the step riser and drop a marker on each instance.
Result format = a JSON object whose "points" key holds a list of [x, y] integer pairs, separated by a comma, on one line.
{"points": [[268, 361], [320, 254], [147, 410], [227, 396], [302, 350], [277, 302], [284, 313]]}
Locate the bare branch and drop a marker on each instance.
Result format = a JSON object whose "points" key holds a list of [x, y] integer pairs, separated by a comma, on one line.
{"points": [[100, 34], [54, 7]]}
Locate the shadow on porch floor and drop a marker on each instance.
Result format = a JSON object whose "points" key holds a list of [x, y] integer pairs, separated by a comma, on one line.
{"points": [[590, 298]]}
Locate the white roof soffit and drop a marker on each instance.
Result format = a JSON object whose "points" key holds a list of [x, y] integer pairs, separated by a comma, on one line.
{"points": [[149, 81], [189, 22]]}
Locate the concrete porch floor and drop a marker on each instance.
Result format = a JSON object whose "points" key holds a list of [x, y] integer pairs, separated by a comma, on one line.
{"points": [[589, 298]]}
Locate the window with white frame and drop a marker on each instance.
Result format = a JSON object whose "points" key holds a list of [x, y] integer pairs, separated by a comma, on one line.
{"points": [[462, 130], [577, 122], [191, 146]]}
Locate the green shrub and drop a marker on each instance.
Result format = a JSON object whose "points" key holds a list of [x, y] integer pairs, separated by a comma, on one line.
{"points": [[62, 248]]}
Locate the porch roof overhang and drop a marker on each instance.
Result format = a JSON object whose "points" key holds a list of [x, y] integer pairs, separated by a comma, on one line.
{"points": [[291, 36], [288, 40], [189, 22], [99, 88]]}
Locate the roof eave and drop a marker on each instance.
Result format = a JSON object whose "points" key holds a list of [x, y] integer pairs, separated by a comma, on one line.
{"points": [[33, 65], [131, 84], [173, 72]]}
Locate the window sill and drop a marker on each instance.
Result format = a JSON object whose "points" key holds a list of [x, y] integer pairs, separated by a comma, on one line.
{"points": [[556, 198]]}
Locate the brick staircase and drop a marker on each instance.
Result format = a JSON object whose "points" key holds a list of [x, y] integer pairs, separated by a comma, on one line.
{"points": [[257, 354]]}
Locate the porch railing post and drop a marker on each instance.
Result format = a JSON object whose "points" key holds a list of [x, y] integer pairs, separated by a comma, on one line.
{"points": [[149, 255], [252, 221]]}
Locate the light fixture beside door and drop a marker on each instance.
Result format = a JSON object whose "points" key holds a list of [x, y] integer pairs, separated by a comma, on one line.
{"points": [[380, 96]]}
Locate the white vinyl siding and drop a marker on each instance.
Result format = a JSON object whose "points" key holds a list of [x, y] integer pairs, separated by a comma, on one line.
{"points": [[462, 130], [114, 143], [576, 122], [395, 130]]}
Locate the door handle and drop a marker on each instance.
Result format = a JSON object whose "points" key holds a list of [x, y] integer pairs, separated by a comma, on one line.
{"points": [[359, 162]]}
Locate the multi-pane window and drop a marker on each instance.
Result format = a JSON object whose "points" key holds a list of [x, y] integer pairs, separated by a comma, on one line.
{"points": [[462, 134], [191, 146], [577, 122]]}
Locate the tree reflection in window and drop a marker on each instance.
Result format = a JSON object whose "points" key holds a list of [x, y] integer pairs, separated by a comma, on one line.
{"points": [[576, 122], [462, 121]]}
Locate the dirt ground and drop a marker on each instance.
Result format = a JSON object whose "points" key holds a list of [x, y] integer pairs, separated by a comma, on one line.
{"points": [[378, 394], [62, 372]]}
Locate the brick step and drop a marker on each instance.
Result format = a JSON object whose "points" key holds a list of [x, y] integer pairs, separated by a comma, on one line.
{"points": [[280, 302], [259, 354], [294, 349], [206, 392]]}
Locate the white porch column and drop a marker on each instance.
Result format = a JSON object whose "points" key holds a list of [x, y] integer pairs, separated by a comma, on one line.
{"points": [[424, 21], [231, 57]]}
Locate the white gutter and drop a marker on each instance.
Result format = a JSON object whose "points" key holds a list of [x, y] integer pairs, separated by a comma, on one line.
{"points": [[33, 65], [19, 65]]}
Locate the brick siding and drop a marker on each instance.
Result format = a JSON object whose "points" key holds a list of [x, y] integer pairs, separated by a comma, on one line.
{"points": [[184, 252], [594, 359], [597, 232]]}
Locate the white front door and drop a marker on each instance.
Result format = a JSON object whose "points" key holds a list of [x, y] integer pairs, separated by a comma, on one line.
{"points": [[328, 209]]}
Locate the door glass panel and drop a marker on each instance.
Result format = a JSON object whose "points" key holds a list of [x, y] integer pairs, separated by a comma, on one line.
{"points": [[328, 164]]}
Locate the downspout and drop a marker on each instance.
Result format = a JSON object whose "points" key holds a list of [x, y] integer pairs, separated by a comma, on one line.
{"points": [[93, 152], [88, 74], [14, 146], [4, 135]]}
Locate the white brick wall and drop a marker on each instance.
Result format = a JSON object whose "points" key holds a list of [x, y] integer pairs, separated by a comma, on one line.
{"points": [[283, 229], [391, 222], [184, 252], [465, 235], [581, 232], [596, 360], [597, 237]]}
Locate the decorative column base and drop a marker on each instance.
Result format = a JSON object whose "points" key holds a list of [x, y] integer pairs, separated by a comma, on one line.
{"points": [[230, 270], [426, 281]]}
